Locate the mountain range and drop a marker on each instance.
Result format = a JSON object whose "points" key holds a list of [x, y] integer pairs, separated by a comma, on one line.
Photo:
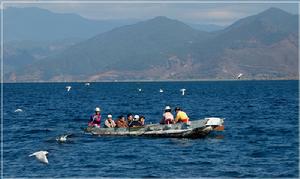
{"points": [[36, 24], [262, 46]]}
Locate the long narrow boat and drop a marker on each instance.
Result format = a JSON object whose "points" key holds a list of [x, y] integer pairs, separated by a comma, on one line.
{"points": [[194, 129]]}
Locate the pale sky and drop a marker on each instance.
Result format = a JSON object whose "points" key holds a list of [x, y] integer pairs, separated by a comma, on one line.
{"points": [[197, 13]]}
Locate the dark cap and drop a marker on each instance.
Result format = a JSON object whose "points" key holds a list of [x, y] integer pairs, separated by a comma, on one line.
{"points": [[177, 108]]}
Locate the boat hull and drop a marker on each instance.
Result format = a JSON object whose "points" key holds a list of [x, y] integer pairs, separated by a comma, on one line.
{"points": [[196, 129]]}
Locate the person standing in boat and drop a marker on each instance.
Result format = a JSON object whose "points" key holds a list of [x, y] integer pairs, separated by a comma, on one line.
{"points": [[95, 119], [109, 122], [121, 123], [168, 117], [181, 116]]}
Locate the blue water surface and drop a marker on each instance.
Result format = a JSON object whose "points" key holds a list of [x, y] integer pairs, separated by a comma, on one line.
{"points": [[260, 137]]}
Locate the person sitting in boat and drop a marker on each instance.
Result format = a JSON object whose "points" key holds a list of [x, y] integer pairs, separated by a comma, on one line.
{"points": [[109, 122], [135, 122], [121, 123], [168, 117], [95, 119], [142, 120], [181, 116], [129, 119]]}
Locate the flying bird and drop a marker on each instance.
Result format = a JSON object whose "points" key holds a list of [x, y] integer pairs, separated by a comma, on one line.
{"points": [[161, 90], [182, 91], [68, 88], [41, 156], [18, 110], [239, 76]]}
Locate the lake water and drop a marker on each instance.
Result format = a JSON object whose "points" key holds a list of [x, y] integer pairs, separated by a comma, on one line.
{"points": [[260, 137]]}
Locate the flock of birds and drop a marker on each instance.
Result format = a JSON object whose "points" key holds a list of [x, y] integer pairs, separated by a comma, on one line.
{"points": [[239, 76], [42, 155], [139, 89]]}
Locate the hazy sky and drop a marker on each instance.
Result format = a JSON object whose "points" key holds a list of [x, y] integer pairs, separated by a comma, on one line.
{"points": [[198, 13]]}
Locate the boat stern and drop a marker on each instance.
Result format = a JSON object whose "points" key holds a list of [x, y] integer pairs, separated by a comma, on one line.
{"points": [[215, 123]]}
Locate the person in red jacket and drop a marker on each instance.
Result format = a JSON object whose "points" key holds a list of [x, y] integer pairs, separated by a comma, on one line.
{"points": [[95, 120]]}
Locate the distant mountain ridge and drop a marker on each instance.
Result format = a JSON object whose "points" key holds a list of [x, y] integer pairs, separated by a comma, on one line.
{"points": [[22, 24], [263, 46], [37, 24], [18, 54]]}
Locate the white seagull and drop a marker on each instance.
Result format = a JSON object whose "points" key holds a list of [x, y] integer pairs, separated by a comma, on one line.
{"points": [[140, 89], [18, 110], [68, 88], [240, 75], [62, 138], [87, 84], [161, 90], [182, 90], [41, 156]]}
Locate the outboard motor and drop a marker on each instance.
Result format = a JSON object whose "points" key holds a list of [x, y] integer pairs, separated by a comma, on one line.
{"points": [[216, 123]]}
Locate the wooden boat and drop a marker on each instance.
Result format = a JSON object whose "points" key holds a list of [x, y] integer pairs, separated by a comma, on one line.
{"points": [[194, 129]]}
